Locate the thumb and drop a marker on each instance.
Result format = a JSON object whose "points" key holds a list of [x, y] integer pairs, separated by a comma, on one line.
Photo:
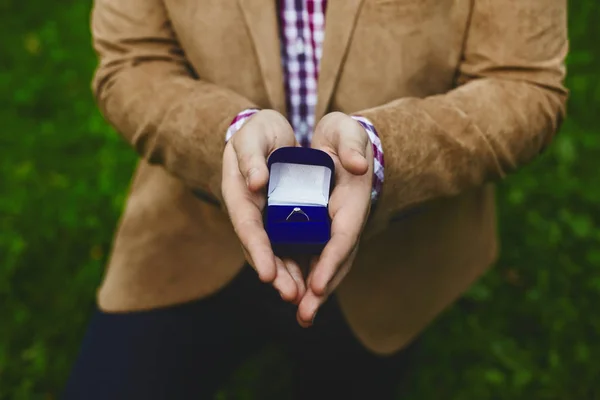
{"points": [[352, 150], [347, 138], [251, 152]]}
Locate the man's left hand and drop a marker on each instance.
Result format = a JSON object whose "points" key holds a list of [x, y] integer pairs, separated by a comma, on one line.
{"points": [[346, 141]]}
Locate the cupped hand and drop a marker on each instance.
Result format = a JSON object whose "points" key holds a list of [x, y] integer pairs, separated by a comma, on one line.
{"points": [[347, 143], [245, 176]]}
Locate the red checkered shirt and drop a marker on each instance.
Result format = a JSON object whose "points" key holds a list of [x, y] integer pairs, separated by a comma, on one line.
{"points": [[302, 30]]}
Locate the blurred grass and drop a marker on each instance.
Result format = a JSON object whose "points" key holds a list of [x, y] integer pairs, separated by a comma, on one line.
{"points": [[528, 330]]}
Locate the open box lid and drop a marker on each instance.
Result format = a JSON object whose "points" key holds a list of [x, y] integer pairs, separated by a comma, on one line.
{"points": [[299, 176]]}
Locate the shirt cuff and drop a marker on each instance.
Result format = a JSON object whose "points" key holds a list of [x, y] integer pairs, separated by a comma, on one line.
{"points": [[378, 162], [239, 121]]}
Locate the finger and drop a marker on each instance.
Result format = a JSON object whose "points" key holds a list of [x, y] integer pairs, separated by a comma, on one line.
{"points": [[340, 274], [313, 263], [284, 283], [346, 226], [311, 302], [263, 276], [296, 273], [308, 307], [254, 239], [246, 217], [252, 151], [348, 207], [336, 253]]}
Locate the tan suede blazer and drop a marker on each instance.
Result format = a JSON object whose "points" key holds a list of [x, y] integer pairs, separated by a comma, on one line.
{"points": [[461, 91]]}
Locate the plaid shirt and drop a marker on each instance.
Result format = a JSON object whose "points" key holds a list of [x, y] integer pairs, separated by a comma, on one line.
{"points": [[302, 31]]}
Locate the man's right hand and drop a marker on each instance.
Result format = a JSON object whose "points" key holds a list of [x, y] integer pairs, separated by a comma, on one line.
{"points": [[245, 176]]}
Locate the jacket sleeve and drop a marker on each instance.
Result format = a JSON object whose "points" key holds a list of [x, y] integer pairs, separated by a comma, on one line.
{"points": [[508, 103], [146, 90]]}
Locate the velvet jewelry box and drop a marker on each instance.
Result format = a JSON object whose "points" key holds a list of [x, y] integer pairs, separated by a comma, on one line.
{"points": [[297, 218]]}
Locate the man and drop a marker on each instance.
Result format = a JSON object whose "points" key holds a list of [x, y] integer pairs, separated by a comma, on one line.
{"points": [[421, 104]]}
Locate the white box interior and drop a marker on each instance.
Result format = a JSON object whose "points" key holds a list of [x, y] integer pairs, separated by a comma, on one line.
{"points": [[298, 184]]}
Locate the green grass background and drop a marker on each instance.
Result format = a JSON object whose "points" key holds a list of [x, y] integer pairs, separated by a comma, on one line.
{"points": [[529, 330]]}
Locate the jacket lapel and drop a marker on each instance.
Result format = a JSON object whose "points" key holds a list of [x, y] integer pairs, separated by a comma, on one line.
{"points": [[261, 18], [339, 25]]}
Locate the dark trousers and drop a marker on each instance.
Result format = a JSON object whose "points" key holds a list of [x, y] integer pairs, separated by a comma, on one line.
{"points": [[188, 351]]}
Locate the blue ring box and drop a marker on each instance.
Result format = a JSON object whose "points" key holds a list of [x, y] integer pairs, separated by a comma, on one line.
{"points": [[299, 177]]}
